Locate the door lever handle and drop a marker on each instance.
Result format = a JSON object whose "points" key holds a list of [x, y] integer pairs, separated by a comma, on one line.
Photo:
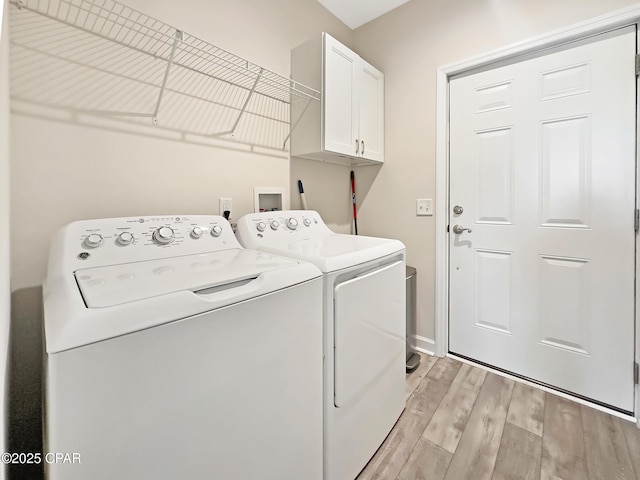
{"points": [[460, 229]]}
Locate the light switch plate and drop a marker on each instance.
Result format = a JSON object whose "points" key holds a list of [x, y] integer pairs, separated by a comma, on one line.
{"points": [[424, 206]]}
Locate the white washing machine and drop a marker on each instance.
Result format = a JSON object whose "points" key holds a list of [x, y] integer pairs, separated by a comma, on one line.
{"points": [[364, 328], [172, 352]]}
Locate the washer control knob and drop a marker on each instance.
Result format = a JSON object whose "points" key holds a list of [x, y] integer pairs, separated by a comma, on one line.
{"points": [[274, 225], [125, 238], [261, 226], [196, 232], [216, 230], [163, 235], [93, 241], [307, 222], [292, 223]]}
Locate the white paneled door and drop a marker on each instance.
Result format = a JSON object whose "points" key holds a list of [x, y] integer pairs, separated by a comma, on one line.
{"points": [[542, 180]]}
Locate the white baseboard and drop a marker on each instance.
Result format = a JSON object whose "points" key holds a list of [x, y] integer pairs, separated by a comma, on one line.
{"points": [[423, 344]]}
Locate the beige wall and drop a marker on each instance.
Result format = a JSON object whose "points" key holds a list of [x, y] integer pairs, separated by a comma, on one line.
{"points": [[409, 44], [64, 171], [5, 288]]}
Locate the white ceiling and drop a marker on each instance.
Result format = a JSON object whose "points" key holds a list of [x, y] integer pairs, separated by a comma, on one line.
{"points": [[355, 13]]}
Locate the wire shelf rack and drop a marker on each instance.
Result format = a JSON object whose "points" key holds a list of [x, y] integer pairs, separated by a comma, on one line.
{"points": [[101, 57]]}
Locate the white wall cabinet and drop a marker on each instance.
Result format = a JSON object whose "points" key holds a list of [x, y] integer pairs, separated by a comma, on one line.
{"points": [[348, 124]]}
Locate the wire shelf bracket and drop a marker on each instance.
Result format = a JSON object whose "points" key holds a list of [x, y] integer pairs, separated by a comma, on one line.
{"points": [[178, 37], [103, 58], [242, 110]]}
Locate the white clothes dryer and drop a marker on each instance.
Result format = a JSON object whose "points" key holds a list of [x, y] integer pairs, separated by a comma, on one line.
{"points": [[364, 328], [172, 352]]}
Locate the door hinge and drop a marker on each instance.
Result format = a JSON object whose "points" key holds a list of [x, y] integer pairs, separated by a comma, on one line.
{"points": [[637, 220], [635, 373], [637, 65]]}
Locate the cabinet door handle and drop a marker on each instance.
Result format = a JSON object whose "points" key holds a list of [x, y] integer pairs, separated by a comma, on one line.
{"points": [[357, 146], [362, 141]]}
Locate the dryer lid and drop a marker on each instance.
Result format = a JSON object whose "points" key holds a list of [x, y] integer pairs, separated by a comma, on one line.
{"points": [[302, 234], [337, 251]]}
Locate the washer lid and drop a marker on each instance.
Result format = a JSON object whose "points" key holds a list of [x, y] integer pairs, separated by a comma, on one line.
{"points": [[95, 304], [336, 251], [118, 284]]}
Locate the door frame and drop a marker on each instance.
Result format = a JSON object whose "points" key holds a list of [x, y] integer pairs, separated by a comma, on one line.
{"points": [[582, 30]]}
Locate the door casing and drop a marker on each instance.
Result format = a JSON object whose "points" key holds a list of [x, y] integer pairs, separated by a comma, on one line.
{"points": [[595, 26]]}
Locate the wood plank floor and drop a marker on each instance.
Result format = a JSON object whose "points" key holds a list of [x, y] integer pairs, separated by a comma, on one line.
{"points": [[464, 423]]}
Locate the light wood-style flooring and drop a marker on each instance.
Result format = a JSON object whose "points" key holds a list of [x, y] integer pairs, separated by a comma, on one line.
{"points": [[464, 423]]}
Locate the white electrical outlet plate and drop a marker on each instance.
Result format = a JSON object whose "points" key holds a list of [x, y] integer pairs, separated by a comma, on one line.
{"points": [[225, 204], [424, 206]]}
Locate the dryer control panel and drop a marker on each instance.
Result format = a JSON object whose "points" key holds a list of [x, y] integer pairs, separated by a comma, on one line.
{"points": [[284, 226], [111, 241]]}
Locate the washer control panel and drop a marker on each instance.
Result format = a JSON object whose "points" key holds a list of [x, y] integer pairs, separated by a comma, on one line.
{"points": [[282, 226], [129, 239]]}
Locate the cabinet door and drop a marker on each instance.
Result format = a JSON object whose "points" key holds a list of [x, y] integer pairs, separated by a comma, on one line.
{"points": [[371, 112], [340, 122]]}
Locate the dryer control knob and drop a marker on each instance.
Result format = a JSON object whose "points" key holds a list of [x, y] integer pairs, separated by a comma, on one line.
{"points": [[274, 225], [163, 235], [125, 238], [261, 226], [216, 230], [292, 223], [307, 222], [196, 232], [93, 241]]}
